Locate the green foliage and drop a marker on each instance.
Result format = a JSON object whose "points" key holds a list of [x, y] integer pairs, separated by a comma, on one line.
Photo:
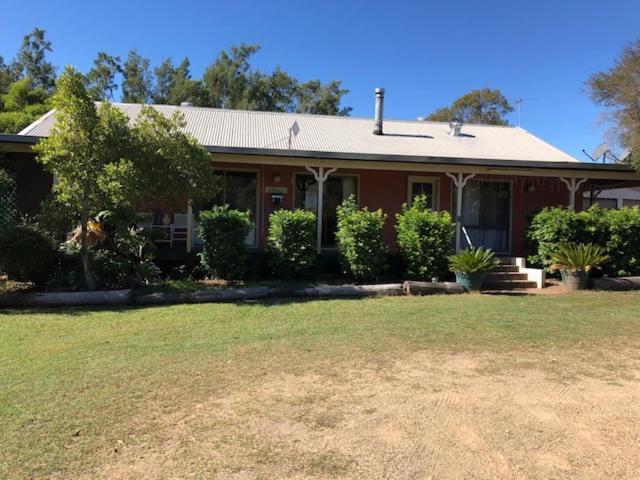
{"points": [[360, 239], [7, 200], [224, 231], [618, 90], [550, 227], [101, 79], [26, 255], [31, 60], [484, 106], [170, 164], [473, 260], [136, 83], [425, 238], [617, 231], [174, 85], [582, 257], [231, 82], [22, 105], [291, 242]]}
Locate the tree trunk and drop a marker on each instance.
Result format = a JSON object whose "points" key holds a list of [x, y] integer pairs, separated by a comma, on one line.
{"points": [[89, 279]]}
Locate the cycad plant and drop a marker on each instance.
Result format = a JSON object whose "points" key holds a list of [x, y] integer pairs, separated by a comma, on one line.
{"points": [[578, 257], [575, 261], [470, 266], [473, 260]]}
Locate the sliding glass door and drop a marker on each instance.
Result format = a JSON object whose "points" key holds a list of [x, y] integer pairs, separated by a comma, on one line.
{"points": [[486, 214]]}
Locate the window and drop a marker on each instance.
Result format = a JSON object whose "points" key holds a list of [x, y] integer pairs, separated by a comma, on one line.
{"points": [[609, 203], [239, 190], [427, 186], [336, 189], [630, 202]]}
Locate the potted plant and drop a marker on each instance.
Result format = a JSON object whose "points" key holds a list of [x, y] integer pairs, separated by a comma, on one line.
{"points": [[575, 261], [471, 265]]}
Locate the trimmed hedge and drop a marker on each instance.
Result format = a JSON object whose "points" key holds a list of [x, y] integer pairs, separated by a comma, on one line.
{"points": [[27, 255], [617, 231], [224, 232], [425, 238], [291, 243], [360, 238]]}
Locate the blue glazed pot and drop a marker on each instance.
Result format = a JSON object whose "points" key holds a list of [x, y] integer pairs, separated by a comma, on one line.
{"points": [[471, 282]]}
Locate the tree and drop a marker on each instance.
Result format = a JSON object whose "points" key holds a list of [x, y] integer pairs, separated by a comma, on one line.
{"points": [[164, 79], [7, 76], [228, 78], [101, 79], [136, 84], [314, 97], [618, 90], [89, 151], [31, 60], [21, 105], [185, 89], [101, 163], [231, 82], [484, 106]]}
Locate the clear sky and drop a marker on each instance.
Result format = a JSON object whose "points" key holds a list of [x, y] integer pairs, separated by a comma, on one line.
{"points": [[425, 53]]}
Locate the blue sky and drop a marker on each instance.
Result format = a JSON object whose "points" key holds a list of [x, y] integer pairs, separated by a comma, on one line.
{"points": [[425, 53]]}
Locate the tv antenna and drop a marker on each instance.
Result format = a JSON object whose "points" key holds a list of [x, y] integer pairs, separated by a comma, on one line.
{"points": [[518, 103]]}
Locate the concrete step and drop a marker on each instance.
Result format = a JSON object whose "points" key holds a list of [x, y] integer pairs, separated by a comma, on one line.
{"points": [[505, 268], [508, 284], [505, 276]]}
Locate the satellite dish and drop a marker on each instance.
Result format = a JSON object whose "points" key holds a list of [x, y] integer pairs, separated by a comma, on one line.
{"points": [[601, 150]]}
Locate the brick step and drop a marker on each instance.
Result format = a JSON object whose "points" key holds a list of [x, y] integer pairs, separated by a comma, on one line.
{"points": [[508, 284], [505, 276], [505, 268]]}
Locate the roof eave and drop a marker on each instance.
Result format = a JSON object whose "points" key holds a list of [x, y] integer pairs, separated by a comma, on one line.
{"points": [[560, 165]]}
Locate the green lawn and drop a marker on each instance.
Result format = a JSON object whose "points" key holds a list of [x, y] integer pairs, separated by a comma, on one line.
{"points": [[73, 383]]}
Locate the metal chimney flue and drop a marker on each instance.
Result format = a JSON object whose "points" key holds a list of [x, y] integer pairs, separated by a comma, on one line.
{"points": [[379, 111]]}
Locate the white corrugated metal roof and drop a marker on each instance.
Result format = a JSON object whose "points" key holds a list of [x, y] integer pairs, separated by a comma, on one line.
{"points": [[346, 135]]}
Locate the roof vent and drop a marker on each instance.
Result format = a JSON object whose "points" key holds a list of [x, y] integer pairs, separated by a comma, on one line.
{"points": [[377, 130], [186, 104], [456, 128]]}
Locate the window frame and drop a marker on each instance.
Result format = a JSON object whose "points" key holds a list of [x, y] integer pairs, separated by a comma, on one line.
{"points": [[433, 180]]}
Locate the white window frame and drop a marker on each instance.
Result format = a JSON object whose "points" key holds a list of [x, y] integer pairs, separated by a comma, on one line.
{"points": [[434, 181]]}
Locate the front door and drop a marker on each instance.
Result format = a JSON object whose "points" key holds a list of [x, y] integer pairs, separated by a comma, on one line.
{"points": [[486, 214]]}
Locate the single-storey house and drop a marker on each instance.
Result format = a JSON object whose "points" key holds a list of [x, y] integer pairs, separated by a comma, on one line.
{"points": [[492, 178]]}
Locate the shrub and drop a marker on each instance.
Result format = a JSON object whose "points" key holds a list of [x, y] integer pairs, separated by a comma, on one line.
{"points": [[473, 260], [291, 242], [616, 231], [548, 229], [425, 238], [622, 236], [7, 199], [224, 231], [26, 255], [360, 239]]}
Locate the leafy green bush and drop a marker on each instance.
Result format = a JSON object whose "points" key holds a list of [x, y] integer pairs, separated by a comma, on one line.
{"points": [[224, 231], [291, 242], [473, 260], [26, 255], [360, 239], [7, 199], [425, 238], [617, 231], [548, 229]]}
